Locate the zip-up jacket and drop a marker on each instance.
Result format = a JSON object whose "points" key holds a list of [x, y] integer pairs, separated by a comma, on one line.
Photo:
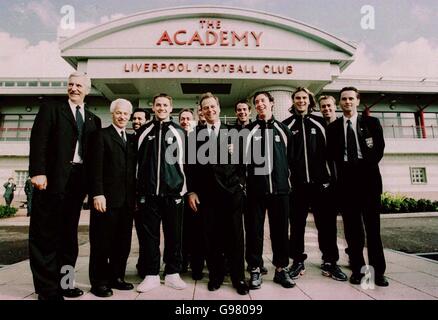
{"points": [[159, 142], [309, 155], [268, 151]]}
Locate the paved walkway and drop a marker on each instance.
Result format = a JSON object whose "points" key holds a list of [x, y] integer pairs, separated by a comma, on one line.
{"points": [[411, 278]]}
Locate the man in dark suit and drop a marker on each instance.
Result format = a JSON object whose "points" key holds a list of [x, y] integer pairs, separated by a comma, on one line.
{"points": [[193, 250], [112, 161], [58, 145], [139, 118], [216, 189], [356, 145]]}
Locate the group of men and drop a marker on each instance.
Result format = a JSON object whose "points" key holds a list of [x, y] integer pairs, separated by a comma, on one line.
{"points": [[209, 186]]}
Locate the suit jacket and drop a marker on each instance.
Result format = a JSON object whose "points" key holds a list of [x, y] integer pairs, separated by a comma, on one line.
{"points": [[203, 178], [371, 141], [53, 143], [111, 167]]}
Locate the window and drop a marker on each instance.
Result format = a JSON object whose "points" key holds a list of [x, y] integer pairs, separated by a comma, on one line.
{"points": [[21, 177], [16, 127], [418, 175]]}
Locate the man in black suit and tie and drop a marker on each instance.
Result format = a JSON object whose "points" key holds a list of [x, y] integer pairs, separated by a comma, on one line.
{"points": [[356, 145], [112, 162], [140, 117], [58, 145], [216, 190]]}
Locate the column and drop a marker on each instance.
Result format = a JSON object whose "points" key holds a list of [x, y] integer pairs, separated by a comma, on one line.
{"points": [[282, 101], [422, 126]]}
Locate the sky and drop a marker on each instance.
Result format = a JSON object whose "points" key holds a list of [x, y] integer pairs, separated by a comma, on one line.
{"points": [[394, 38]]}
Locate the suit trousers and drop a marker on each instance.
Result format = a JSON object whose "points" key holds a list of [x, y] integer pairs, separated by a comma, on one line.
{"points": [[277, 207], [320, 201], [141, 262], [193, 244], [110, 244], [53, 232], [223, 231], [168, 209], [360, 206]]}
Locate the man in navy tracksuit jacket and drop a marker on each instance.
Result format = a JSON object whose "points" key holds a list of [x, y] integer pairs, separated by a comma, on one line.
{"points": [[268, 190], [310, 178], [161, 184]]}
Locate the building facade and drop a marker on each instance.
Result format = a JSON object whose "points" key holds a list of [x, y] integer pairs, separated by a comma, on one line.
{"points": [[233, 53]]}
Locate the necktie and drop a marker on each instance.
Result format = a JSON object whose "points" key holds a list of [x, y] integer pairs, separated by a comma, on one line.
{"points": [[213, 132], [122, 134], [351, 144], [80, 125]]}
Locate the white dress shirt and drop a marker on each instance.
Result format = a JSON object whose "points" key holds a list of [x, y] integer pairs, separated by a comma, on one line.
{"points": [[216, 125], [119, 131]]}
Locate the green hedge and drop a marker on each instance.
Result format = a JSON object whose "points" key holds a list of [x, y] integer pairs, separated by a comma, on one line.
{"points": [[396, 203], [6, 212]]}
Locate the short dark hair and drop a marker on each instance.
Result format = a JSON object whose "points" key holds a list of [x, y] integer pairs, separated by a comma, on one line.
{"points": [[147, 115], [162, 95], [350, 89], [244, 101], [266, 93], [185, 110]]}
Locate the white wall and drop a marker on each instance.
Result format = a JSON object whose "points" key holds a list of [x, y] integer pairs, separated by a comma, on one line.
{"points": [[395, 169]]}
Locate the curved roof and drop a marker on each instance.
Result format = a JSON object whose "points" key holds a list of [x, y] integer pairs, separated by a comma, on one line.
{"points": [[221, 12]]}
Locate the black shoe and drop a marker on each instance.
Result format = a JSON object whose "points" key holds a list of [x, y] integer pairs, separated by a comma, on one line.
{"points": [[213, 285], [120, 284], [54, 297], [255, 280], [356, 278], [332, 270], [282, 277], [296, 270], [72, 293], [381, 281], [102, 291], [197, 275], [242, 287]]}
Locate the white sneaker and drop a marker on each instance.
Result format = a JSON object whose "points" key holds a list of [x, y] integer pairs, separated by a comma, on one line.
{"points": [[149, 283], [174, 281]]}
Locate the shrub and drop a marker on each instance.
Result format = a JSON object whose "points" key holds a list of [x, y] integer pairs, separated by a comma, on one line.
{"points": [[6, 212], [396, 203]]}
